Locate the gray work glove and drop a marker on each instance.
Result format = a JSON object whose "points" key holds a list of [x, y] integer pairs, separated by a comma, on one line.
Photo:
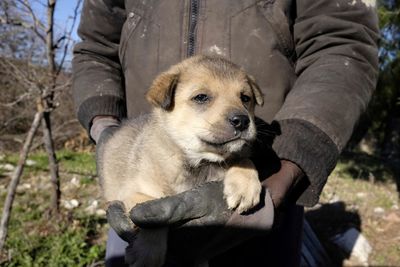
{"points": [[201, 225]]}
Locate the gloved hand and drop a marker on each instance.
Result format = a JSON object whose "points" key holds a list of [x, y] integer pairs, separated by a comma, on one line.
{"points": [[201, 225], [284, 179], [282, 183]]}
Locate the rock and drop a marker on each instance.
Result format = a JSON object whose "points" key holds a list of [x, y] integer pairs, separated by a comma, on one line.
{"points": [[70, 204], [334, 199], [30, 162], [353, 207], [379, 210], [361, 194], [92, 208], [354, 243], [24, 187], [7, 167], [75, 181], [100, 212]]}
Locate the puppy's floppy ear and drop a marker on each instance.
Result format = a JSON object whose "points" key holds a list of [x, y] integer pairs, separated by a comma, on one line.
{"points": [[162, 91], [256, 90]]}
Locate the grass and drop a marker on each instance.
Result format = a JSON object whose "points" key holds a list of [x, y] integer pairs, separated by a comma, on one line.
{"points": [[70, 161], [44, 244], [83, 162], [77, 238]]}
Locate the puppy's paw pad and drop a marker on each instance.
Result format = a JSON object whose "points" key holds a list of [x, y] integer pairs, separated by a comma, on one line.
{"points": [[249, 200], [242, 193]]}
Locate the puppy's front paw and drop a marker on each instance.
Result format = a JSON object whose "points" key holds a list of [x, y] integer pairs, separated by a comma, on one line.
{"points": [[242, 188], [149, 248]]}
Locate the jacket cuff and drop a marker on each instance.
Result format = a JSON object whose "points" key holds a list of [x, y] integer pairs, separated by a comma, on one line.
{"points": [[312, 150], [106, 105]]}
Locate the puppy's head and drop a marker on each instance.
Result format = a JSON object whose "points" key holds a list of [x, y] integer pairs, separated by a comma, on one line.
{"points": [[206, 105]]}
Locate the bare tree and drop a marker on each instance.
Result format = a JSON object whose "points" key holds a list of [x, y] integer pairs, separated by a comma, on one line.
{"points": [[40, 78]]}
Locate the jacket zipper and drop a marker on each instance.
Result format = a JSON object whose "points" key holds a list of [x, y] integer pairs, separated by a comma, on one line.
{"points": [[193, 18]]}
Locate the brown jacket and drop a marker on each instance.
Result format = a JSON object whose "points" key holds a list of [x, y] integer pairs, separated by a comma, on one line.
{"points": [[315, 60]]}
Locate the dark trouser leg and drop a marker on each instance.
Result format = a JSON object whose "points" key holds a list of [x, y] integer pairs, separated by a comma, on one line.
{"points": [[281, 248], [115, 250]]}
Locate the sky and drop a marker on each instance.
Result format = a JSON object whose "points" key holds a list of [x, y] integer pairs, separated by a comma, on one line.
{"points": [[63, 21], [64, 12]]}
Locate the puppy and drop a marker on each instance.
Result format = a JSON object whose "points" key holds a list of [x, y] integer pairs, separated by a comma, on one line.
{"points": [[201, 129]]}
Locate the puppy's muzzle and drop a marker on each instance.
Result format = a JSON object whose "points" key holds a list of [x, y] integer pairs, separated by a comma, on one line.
{"points": [[239, 122]]}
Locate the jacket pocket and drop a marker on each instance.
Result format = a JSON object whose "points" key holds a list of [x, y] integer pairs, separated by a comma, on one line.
{"points": [[133, 19]]}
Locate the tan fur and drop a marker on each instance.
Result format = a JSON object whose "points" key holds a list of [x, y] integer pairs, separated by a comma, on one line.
{"points": [[175, 147]]}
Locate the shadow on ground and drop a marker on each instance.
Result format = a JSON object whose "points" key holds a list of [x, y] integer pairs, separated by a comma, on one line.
{"points": [[329, 220]]}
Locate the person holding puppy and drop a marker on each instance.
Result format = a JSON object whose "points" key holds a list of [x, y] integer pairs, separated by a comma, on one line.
{"points": [[316, 64]]}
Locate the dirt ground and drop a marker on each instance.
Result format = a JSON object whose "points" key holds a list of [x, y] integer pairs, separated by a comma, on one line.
{"points": [[370, 207]]}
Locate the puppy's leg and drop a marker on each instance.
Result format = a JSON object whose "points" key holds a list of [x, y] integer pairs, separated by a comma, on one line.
{"points": [[136, 198], [242, 188], [150, 246]]}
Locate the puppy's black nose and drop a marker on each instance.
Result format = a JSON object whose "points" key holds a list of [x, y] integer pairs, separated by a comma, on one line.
{"points": [[240, 122]]}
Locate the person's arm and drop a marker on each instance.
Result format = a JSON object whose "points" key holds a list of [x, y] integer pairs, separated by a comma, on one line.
{"points": [[337, 66], [97, 76]]}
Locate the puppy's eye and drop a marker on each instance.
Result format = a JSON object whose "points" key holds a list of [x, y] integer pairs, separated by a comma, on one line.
{"points": [[245, 98], [201, 98]]}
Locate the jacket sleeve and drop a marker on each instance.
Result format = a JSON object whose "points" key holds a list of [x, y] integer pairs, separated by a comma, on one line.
{"points": [[336, 68], [97, 76]]}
